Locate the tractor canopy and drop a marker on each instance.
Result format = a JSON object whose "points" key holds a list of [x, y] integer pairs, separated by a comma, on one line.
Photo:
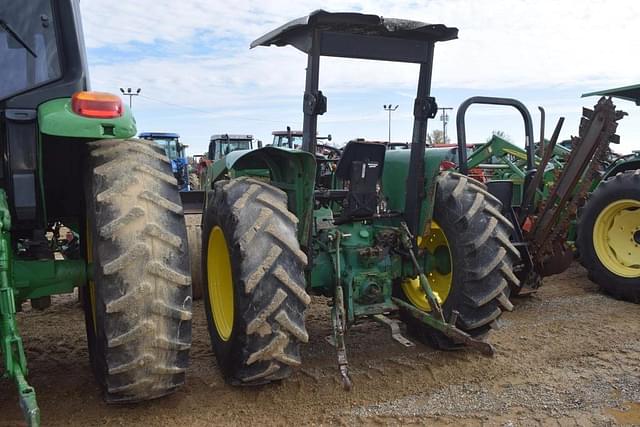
{"points": [[629, 93], [356, 35], [371, 37]]}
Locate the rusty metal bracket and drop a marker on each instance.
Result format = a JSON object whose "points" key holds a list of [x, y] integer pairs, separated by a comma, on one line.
{"points": [[394, 327], [449, 329]]}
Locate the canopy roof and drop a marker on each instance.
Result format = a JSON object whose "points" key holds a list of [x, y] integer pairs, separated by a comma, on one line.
{"points": [[356, 35], [630, 93], [230, 136], [158, 135]]}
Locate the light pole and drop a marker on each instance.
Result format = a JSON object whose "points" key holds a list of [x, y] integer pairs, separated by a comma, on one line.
{"points": [[130, 94], [390, 108], [445, 119]]}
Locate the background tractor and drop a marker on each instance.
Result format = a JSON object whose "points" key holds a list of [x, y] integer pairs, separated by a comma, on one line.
{"points": [[544, 185], [68, 158], [176, 153], [223, 144], [608, 231], [385, 234], [220, 145]]}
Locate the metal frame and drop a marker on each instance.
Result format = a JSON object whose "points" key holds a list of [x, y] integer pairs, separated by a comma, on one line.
{"points": [[490, 100], [354, 35]]}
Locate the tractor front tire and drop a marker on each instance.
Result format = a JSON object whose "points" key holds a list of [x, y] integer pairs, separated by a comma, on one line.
{"points": [[481, 259], [138, 303], [608, 238], [254, 287]]}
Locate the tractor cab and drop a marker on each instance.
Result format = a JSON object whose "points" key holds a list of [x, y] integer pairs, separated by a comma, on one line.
{"points": [[292, 138], [41, 59], [169, 142], [287, 139], [175, 152], [223, 144]]}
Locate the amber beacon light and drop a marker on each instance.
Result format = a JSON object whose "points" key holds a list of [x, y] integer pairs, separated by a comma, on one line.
{"points": [[96, 104]]}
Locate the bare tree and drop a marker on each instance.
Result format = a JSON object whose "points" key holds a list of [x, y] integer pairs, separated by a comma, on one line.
{"points": [[437, 137]]}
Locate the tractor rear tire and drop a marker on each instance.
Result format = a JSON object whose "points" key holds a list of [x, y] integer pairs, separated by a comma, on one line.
{"points": [[138, 305], [614, 207], [482, 259], [254, 286]]}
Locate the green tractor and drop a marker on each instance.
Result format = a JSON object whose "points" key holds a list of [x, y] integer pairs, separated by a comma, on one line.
{"points": [[68, 159], [385, 234], [545, 185], [608, 231]]}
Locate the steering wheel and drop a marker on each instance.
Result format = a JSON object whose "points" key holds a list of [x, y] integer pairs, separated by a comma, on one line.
{"points": [[329, 152]]}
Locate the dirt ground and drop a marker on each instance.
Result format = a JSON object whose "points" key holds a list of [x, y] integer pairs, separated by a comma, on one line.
{"points": [[566, 356]]}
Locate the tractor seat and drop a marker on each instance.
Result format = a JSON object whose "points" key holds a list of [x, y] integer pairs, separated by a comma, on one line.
{"points": [[361, 166]]}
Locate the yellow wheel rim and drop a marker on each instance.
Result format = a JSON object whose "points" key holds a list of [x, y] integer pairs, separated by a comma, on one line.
{"points": [[439, 275], [219, 283], [616, 238], [91, 285]]}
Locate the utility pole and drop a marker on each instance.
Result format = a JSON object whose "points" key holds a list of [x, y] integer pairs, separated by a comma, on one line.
{"points": [[130, 94], [390, 108], [445, 119]]}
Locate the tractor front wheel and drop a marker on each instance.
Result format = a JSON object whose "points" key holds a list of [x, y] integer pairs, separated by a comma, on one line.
{"points": [[254, 287], [470, 260], [138, 303], [609, 236]]}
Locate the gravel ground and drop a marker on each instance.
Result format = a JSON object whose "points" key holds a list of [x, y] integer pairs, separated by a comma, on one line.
{"points": [[566, 356]]}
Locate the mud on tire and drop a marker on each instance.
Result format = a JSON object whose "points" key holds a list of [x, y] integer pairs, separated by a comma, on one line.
{"points": [[482, 259], [138, 307], [267, 269]]}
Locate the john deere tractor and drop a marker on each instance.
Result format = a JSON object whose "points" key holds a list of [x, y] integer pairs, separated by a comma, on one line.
{"points": [[68, 158], [544, 186], [608, 232], [385, 234]]}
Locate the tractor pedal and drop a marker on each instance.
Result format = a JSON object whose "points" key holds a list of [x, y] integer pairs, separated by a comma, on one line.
{"points": [[331, 340], [394, 326]]}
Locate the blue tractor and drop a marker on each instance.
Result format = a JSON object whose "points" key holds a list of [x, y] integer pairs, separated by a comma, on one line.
{"points": [[175, 151]]}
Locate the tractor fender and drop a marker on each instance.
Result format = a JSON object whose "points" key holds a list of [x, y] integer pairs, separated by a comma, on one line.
{"points": [[55, 117], [293, 171], [622, 167]]}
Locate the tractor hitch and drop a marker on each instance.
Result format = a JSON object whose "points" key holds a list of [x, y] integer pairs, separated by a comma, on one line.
{"points": [[449, 329], [339, 319], [28, 403]]}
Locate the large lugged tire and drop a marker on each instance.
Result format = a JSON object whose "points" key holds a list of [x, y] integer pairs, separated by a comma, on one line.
{"points": [[138, 306], [469, 221], [253, 271], [608, 238]]}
